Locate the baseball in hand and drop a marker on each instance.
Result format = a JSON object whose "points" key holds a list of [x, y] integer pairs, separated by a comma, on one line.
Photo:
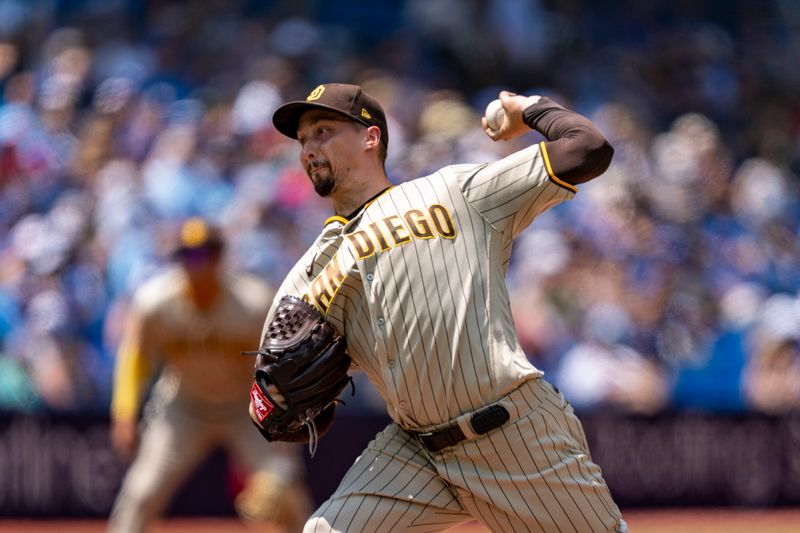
{"points": [[495, 114]]}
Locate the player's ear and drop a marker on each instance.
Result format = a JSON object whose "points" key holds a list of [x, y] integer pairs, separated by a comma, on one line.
{"points": [[373, 138]]}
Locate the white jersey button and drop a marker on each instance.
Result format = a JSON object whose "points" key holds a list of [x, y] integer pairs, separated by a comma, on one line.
{"points": [[391, 363], [381, 321], [370, 276], [402, 405]]}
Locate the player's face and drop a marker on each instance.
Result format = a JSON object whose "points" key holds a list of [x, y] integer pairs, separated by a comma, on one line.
{"points": [[200, 264], [328, 144]]}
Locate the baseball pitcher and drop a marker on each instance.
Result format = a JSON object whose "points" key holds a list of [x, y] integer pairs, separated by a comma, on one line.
{"points": [[412, 279]]}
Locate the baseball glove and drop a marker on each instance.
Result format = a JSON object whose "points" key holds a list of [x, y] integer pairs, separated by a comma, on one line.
{"points": [[305, 360]]}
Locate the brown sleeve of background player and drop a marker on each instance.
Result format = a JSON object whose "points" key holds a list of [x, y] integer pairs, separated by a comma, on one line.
{"points": [[577, 150]]}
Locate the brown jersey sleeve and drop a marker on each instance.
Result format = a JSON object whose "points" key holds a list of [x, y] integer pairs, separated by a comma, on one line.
{"points": [[578, 151]]}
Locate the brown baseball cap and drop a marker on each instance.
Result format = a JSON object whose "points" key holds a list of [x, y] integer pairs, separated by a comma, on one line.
{"points": [[348, 100], [197, 235]]}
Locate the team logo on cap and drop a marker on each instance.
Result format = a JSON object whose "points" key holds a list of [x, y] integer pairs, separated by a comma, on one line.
{"points": [[365, 114], [194, 233], [316, 93]]}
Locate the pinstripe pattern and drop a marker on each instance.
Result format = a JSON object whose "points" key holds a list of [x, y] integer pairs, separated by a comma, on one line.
{"points": [[392, 486], [564, 490], [508, 485], [421, 298]]}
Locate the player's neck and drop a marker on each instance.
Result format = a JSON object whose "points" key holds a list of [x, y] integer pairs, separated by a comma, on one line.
{"points": [[203, 293], [352, 195]]}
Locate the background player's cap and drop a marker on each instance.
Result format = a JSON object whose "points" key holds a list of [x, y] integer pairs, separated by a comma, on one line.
{"points": [[196, 235], [348, 100]]}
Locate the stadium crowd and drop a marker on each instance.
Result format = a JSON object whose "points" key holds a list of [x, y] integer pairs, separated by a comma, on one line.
{"points": [[671, 282]]}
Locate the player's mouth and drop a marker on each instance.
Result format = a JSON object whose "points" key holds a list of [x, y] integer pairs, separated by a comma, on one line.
{"points": [[313, 169]]}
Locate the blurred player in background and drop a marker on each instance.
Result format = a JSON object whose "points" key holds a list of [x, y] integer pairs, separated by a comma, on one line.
{"points": [[187, 326]]}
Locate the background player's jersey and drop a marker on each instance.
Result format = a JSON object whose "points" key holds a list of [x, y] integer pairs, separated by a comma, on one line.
{"points": [[199, 351], [416, 283]]}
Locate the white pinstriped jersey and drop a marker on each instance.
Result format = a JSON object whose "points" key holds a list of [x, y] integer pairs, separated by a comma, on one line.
{"points": [[415, 281]]}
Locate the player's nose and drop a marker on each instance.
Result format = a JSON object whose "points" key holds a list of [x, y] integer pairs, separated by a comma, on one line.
{"points": [[308, 151]]}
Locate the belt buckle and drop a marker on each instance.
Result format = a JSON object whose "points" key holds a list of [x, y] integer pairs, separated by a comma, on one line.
{"points": [[423, 438], [436, 441]]}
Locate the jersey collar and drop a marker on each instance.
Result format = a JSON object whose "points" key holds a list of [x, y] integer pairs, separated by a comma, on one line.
{"points": [[366, 204], [351, 216]]}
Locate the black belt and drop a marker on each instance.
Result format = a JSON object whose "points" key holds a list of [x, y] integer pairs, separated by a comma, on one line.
{"points": [[483, 421]]}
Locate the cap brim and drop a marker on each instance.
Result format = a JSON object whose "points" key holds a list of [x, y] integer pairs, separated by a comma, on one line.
{"points": [[287, 117]]}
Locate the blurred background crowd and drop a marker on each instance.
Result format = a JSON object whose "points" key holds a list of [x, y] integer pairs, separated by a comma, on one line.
{"points": [[671, 282]]}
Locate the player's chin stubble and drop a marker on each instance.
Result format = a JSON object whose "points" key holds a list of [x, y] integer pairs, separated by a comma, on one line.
{"points": [[323, 182], [324, 186]]}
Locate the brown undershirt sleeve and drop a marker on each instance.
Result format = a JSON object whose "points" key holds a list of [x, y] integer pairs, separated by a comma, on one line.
{"points": [[577, 150]]}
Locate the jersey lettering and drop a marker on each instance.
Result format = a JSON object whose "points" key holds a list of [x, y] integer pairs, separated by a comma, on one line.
{"points": [[334, 275], [379, 235], [398, 231], [362, 243], [326, 285], [322, 298], [443, 221], [417, 223]]}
